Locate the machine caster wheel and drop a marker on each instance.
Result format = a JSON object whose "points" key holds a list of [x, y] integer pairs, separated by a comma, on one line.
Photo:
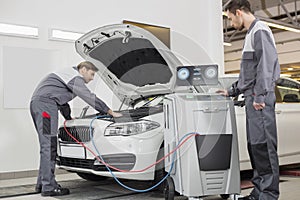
{"points": [[224, 196], [169, 189]]}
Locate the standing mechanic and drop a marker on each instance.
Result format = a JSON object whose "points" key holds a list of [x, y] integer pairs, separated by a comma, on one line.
{"points": [[52, 94], [258, 72]]}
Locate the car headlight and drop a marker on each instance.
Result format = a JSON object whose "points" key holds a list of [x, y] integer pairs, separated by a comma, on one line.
{"points": [[132, 128]]}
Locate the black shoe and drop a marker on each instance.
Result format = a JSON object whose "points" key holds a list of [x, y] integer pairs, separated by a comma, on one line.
{"points": [[38, 188], [59, 191], [249, 197]]}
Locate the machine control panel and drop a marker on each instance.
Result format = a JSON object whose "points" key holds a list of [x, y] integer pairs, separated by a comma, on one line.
{"points": [[197, 75]]}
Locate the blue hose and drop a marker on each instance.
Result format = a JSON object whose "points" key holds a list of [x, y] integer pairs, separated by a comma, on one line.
{"points": [[113, 175]]}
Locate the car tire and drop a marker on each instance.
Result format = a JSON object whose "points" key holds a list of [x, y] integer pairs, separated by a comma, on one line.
{"points": [[160, 170], [224, 196], [91, 177]]}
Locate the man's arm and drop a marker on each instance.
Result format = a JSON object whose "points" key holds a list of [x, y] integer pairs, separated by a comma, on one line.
{"points": [[266, 55], [234, 90], [222, 92], [114, 114], [78, 87], [231, 92], [65, 110]]}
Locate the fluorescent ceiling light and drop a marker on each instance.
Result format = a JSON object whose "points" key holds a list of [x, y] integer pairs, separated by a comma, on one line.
{"points": [[56, 34], [283, 27], [18, 30], [285, 75], [290, 69], [275, 24], [227, 44]]}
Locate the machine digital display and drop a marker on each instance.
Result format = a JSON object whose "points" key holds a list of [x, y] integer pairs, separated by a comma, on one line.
{"points": [[197, 75]]}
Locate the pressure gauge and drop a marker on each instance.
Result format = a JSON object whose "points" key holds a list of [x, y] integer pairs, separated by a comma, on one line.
{"points": [[211, 72], [183, 73]]}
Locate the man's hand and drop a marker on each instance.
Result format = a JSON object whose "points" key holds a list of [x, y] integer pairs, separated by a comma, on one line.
{"points": [[258, 106], [222, 92], [114, 114]]}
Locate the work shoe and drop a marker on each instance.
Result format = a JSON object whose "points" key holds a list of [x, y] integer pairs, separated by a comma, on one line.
{"points": [[249, 197], [59, 191], [38, 188]]}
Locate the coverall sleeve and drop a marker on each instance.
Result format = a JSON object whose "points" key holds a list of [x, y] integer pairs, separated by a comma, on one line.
{"points": [[78, 87], [266, 56], [233, 91], [65, 110]]}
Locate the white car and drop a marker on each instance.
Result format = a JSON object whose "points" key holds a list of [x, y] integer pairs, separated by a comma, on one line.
{"points": [[140, 70], [287, 111]]}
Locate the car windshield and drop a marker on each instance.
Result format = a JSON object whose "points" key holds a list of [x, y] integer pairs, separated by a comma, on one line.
{"points": [[287, 91]]}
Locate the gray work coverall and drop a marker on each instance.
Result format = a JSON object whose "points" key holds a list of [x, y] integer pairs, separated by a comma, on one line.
{"points": [[258, 73], [51, 95]]}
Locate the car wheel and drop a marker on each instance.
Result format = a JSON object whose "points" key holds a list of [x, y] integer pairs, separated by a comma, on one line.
{"points": [[224, 196], [160, 170], [91, 177], [169, 190]]}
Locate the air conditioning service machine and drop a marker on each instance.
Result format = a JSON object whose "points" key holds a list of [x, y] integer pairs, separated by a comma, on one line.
{"points": [[208, 161]]}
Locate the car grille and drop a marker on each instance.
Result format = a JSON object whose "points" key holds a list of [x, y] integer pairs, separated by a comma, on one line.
{"points": [[81, 133], [125, 161], [76, 162], [121, 161]]}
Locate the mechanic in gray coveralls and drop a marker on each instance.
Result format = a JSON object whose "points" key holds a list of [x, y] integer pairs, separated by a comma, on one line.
{"points": [[52, 95], [258, 72]]}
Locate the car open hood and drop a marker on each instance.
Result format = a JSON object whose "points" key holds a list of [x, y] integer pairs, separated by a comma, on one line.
{"points": [[131, 61]]}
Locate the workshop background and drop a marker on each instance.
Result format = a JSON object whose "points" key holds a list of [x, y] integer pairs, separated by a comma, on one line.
{"points": [[199, 33], [196, 37]]}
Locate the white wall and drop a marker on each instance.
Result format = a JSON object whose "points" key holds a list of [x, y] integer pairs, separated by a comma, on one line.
{"points": [[196, 38]]}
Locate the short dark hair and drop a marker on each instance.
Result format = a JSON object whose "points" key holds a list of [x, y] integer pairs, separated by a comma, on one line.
{"points": [[88, 65], [238, 4]]}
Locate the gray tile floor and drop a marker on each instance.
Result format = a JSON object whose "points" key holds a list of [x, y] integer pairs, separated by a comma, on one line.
{"points": [[289, 188]]}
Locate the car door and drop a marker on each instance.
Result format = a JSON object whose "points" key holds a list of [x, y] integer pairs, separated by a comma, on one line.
{"points": [[288, 124]]}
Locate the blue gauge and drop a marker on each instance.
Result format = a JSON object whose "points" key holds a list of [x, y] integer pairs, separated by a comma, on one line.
{"points": [[183, 74]]}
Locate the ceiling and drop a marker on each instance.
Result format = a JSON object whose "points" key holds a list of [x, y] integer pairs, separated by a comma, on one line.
{"points": [[285, 12], [291, 70]]}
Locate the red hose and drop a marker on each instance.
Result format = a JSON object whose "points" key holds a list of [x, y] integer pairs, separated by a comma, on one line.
{"points": [[120, 170]]}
